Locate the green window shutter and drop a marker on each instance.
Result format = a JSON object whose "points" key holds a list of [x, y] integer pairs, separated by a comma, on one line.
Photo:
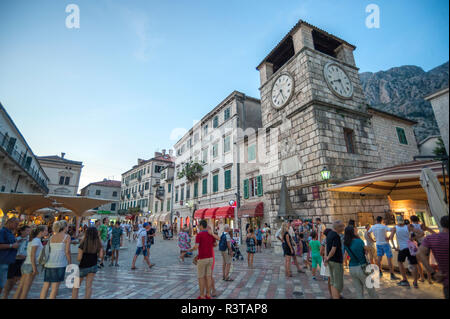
{"points": [[176, 195], [162, 205], [252, 152], [260, 185], [401, 136], [168, 205], [156, 207], [169, 188], [215, 183], [228, 179], [196, 190], [205, 186], [246, 188]]}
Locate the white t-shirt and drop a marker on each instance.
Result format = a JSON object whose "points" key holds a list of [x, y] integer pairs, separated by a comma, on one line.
{"points": [[320, 228], [35, 242], [380, 233], [402, 234], [141, 234], [278, 233]]}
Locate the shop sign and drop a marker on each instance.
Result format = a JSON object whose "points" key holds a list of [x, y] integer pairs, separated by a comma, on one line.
{"points": [[315, 192]]}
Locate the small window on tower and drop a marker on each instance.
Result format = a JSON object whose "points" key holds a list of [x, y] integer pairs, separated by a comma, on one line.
{"points": [[349, 140]]}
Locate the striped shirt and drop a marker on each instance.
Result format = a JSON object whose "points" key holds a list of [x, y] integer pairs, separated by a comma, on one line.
{"points": [[438, 244]]}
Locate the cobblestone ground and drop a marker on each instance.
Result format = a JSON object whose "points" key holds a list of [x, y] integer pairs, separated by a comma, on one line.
{"points": [[170, 279]]}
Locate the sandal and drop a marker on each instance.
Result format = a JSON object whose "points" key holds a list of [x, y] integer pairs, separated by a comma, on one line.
{"points": [[229, 279], [133, 268]]}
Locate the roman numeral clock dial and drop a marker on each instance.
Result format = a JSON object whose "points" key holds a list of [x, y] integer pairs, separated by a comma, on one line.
{"points": [[338, 81], [282, 90]]}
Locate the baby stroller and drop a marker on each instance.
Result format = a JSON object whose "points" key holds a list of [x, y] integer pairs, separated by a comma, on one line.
{"points": [[236, 252]]}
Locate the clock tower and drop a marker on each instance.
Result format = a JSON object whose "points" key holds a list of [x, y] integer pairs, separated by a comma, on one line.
{"points": [[314, 109]]}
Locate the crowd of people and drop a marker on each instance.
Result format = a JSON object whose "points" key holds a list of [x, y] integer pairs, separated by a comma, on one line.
{"points": [[25, 251], [332, 249]]}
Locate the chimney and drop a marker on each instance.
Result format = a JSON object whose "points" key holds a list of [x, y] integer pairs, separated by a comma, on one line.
{"points": [[170, 152], [158, 154], [62, 155], [163, 152], [140, 160]]}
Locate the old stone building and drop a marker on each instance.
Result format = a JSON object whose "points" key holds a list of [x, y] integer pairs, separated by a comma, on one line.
{"points": [[212, 141], [137, 183], [315, 115], [64, 174], [163, 197]]}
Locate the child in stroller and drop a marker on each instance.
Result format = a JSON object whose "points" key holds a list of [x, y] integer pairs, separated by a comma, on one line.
{"points": [[236, 252]]}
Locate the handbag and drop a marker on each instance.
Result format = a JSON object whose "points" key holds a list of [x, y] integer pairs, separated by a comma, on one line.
{"points": [[324, 270], [45, 253], [363, 266]]}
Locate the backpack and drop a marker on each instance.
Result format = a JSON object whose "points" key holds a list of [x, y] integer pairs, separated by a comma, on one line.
{"points": [[45, 253], [223, 242]]}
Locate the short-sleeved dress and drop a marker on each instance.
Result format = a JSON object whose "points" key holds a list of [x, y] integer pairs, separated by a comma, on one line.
{"points": [[184, 241], [251, 245]]}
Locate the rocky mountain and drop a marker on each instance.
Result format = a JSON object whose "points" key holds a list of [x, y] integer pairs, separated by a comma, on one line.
{"points": [[401, 91]]}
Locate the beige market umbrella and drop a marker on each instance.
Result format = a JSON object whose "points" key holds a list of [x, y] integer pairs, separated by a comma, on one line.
{"points": [[23, 203], [79, 204], [435, 195], [401, 182]]}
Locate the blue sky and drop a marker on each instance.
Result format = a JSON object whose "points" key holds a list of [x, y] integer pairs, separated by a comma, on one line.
{"points": [[113, 90]]}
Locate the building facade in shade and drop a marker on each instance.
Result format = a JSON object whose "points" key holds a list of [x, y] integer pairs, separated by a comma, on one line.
{"points": [[428, 145], [137, 183], [211, 141], [106, 189], [64, 174], [163, 197], [440, 104], [315, 116], [20, 170]]}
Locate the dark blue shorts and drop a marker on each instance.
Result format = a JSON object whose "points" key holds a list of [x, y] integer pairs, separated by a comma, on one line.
{"points": [[89, 270], [140, 250], [54, 274]]}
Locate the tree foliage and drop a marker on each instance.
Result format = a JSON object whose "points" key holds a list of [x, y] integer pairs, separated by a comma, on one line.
{"points": [[192, 171]]}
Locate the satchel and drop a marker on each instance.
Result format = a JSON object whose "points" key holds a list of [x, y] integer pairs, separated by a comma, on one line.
{"points": [[45, 254]]}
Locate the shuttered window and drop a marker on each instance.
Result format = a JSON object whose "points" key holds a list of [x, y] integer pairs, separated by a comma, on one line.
{"points": [[215, 183], [260, 185], [227, 179], [195, 190], [205, 186], [246, 188], [401, 136]]}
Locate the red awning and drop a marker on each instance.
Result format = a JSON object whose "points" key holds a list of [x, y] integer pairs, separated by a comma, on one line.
{"points": [[211, 213], [200, 213], [225, 212], [252, 210]]}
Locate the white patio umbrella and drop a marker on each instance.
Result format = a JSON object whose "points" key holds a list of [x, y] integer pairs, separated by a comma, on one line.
{"points": [[435, 195]]}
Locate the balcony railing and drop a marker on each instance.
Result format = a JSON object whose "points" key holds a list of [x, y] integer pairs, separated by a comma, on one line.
{"points": [[23, 161]]}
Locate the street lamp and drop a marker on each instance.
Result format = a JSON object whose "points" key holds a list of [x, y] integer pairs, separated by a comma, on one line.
{"points": [[325, 174]]}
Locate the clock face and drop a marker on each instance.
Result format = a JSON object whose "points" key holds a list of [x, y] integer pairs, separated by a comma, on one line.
{"points": [[282, 90], [338, 80]]}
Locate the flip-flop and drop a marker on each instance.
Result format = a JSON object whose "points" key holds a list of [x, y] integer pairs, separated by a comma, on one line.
{"points": [[229, 279]]}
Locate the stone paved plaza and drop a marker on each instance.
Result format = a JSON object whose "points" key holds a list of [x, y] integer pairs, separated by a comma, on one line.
{"points": [[170, 279]]}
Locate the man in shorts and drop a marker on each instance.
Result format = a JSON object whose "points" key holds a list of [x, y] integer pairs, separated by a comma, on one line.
{"points": [[8, 249], [141, 246], [383, 247], [226, 251], [103, 233], [334, 259], [204, 242], [116, 243], [403, 236]]}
